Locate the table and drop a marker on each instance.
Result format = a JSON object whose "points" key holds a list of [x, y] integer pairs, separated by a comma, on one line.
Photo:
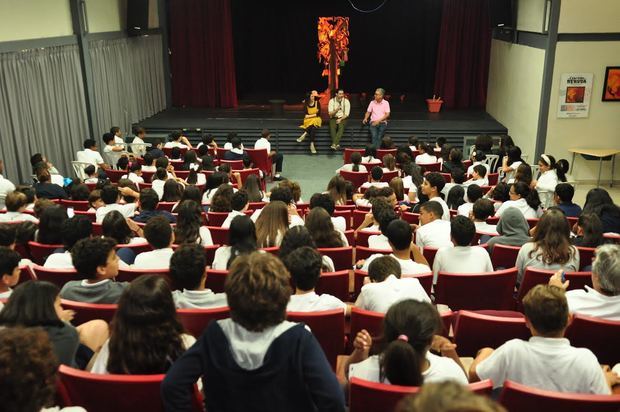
{"points": [[600, 153]]}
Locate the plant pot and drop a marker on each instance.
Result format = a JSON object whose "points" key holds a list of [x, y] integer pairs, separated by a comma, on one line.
{"points": [[434, 106]]}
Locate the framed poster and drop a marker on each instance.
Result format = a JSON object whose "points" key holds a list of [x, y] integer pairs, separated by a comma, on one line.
{"points": [[575, 93], [611, 85]]}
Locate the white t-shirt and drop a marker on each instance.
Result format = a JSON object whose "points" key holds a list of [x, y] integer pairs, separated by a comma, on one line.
{"points": [[205, 236], [339, 223], [425, 158], [470, 169], [6, 186], [198, 299], [546, 187], [461, 259], [440, 369], [434, 234], [311, 302], [222, 254], [134, 178], [545, 363], [90, 156], [479, 182], [510, 176], [230, 218], [379, 296], [370, 159], [444, 206], [349, 168], [158, 186], [484, 227], [127, 210], [154, 259], [170, 145], [17, 217], [407, 266], [464, 209], [139, 149], [59, 261], [379, 242], [263, 143], [366, 185], [520, 204], [589, 302], [112, 155]]}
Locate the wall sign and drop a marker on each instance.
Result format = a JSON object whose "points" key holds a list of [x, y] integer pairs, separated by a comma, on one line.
{"points": [[575, 93]]}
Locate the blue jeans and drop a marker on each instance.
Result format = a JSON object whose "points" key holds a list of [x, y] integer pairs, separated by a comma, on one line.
{"points": [[376, 133]]}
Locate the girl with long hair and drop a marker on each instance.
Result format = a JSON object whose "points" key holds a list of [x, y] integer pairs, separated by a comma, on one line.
{"points": [[589, 231], [599, 202], [370, 155], [190, 158], [214, 181], [389, 163], [221, 199], [510, 162], [321, 228], [551, 173], [399, 190], [524, 199], [172, 191], [189, 228], [242, 240], [312, 119], [523, 174], [145, 335], [252, 188], [117, 227], [50, 225], [337, 190], [455, 161], [550, 248], [272, 224], [190, 193], [410, 329]]}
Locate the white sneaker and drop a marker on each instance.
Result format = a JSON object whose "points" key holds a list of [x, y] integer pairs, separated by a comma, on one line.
{"points": [[301, 138], [312, 148], [333, 147]]}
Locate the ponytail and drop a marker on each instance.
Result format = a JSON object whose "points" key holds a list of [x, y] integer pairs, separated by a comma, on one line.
{"points": [[533, 200], [356, 167], [401, 364], [192, 177]]}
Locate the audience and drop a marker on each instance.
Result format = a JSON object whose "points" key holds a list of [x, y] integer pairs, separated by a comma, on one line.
{"points": [[221, 199], [482, 210], [242, 241], [455, 161], [147, 206], [433, 231], [355, 165], [370, 155], [73, 230], [16, 203], [9, 271], [189, 227], [172, 191], [551, 174], [326, 202], [474, 192], [45, 188], [384, 216], [178, 140], [563, 197], [284, 195], [510, 162], [253, 189], [478, 176], [160, 236], [376, 174], [321, 228], [589, 231], [523, 199], [110, 195], [337, 190], [91, 155], [426, 154]]}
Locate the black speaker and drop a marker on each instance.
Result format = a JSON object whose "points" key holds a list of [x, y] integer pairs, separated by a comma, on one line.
{"points": [[501, 13], [137, 17]]}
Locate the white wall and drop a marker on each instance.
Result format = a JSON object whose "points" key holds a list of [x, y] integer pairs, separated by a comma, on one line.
{"points": [[34, 19], [589, 16], [106, 15], [601, 130], [513, 96], [530, 16]]}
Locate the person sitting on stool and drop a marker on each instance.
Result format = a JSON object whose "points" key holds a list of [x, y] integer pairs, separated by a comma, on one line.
{"points": [[312, 119], [277, 158], [378, 111], [339, 109]]}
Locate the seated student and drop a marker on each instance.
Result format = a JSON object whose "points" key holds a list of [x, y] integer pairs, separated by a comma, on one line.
{"points": [[155, 149], [473, 194], [147, 205], [370, 222], [51, 220], [91, 174], [239, 204], [138, 148], [384, 216], [285, 195], [145, 323], [236, 152], [135, 173], [524, 199], [426, 154], [253, 189], [271, 225], [387, 287], [91, 155], [355, 165], [589, 231], [462, 258], [242, 239], [298, 237], [73, 229], [149, 163], [178, 140], [207, 140], [602, 300], [16, 203], [370, 155], [124, 231], [321, 228], [478, 176], [9, 271], [188, 270], [304, 265], [45, 189], [563, 197], [159, 180], [189, 228], [95, 260], [376, 173], [112, 151], [10, 233], [456, 197], [160, 236], [111, 196], [267, 372], [78, 192], [482, 210], [513, 230], [221, 199], [94, 201], [277, 158], [228, 145], [337, 190], [433, 231], [600, 203], [547, 355], [410, 329], [413, 143], [432, 188], [478, 158], [399, 237], [326, 202], [455, 161], [448, 396]]}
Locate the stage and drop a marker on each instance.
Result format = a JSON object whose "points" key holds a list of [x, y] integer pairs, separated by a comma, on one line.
{"points": [[251, 116]]}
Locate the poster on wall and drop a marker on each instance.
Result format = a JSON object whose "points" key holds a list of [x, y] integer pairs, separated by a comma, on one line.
{"points": [[575, 93], [611, 85]]}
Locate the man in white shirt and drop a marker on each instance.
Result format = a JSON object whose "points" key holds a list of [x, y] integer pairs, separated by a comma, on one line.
{"points": [[338, 109], [305, 264], [110, 195], [160, 236], [482, 210], [386, 286], [547, 360], [399, 236], [91, 155], [277, 158], [188, 270], [433, 232], [462, 258], [603, 299], [6, 185], [239, 204], [112, 150], [431, 186], [178, 140]]}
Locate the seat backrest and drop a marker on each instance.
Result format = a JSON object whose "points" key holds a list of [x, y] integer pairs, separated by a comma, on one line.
{"points": [[383, 152], [347, 152], [234, 164], [358, 217], [356, 178], [366, 319], [429, 253], [25, 274], [363, 252], [474, 331], [341, 256], [195, 321], [601, 336], [216, 279], [75, 204], [129, 274], [244, 173], [388, 176], [411, 218], [346, 214], [493, 179], [219, 235], [327, 327], [504, 256], [115, 175], [518, 397], [168, 151], [531, 278], [40, 251], [57, 276], [432, 167], [477, 291], [137, 248], [586, 255], [335, 284], [362, 237], [261, 160], [85, 312]]}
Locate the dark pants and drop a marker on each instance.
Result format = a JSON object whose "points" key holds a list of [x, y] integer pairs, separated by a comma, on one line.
{"points": [[277, 158], [311, 133]]}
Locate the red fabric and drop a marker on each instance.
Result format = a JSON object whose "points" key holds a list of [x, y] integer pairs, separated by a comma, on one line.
{"points": [[202, 60], [462, 68]]}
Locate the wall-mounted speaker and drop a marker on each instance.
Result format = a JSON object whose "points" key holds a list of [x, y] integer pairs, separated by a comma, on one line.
{"points": [[137, 17]]}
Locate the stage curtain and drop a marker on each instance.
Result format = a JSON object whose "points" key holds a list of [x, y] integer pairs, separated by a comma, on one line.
{"points": [[202, 53], [462, 69]]}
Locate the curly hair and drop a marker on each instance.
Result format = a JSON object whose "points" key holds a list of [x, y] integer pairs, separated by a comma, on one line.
{"points": [[27, 369], [145, 334]]}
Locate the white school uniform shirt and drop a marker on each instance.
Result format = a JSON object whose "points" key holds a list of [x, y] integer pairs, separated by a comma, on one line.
{"points": [[545, 363], [484, 227], [440, 369], [170, 145], [379, 242], [589, 302], [520, 204], [154, 259], [208, 194], [311, 302], [146, 168], [295, 219], [464, 209], [366, 185], [407, 266], [138, 150], [349, 168], [480, 182], [6, 186], [461, 259], [545, 186], [205, 236], [158, 186], [59, 261], [198, 299], [127, 210], [263, 143], [230, 218], [510, 176], [222, 255], [408, 184], [134, 178], [90, 156], [370, 159], [470, 169], [17, 217], [434, 234], [425, 158], [379, 296], [111, 155], [444, 206], [339, 223]]}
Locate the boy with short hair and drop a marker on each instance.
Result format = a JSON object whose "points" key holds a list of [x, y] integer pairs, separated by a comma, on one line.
{"points": [[160, 236], [433, 232], [462, 258], [473, 193], [547, 360], [431, 186], [563, 197], [112, 151], [376, 173], [111, 196], [9, 271], [384, 216], [188, 270], [304, 265], [16, 203], [96, 263], [91, 174], [386, 286], [135, 173], [239, 204], [482, 210], [148, 207], [478, 176], [73, 230]]}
